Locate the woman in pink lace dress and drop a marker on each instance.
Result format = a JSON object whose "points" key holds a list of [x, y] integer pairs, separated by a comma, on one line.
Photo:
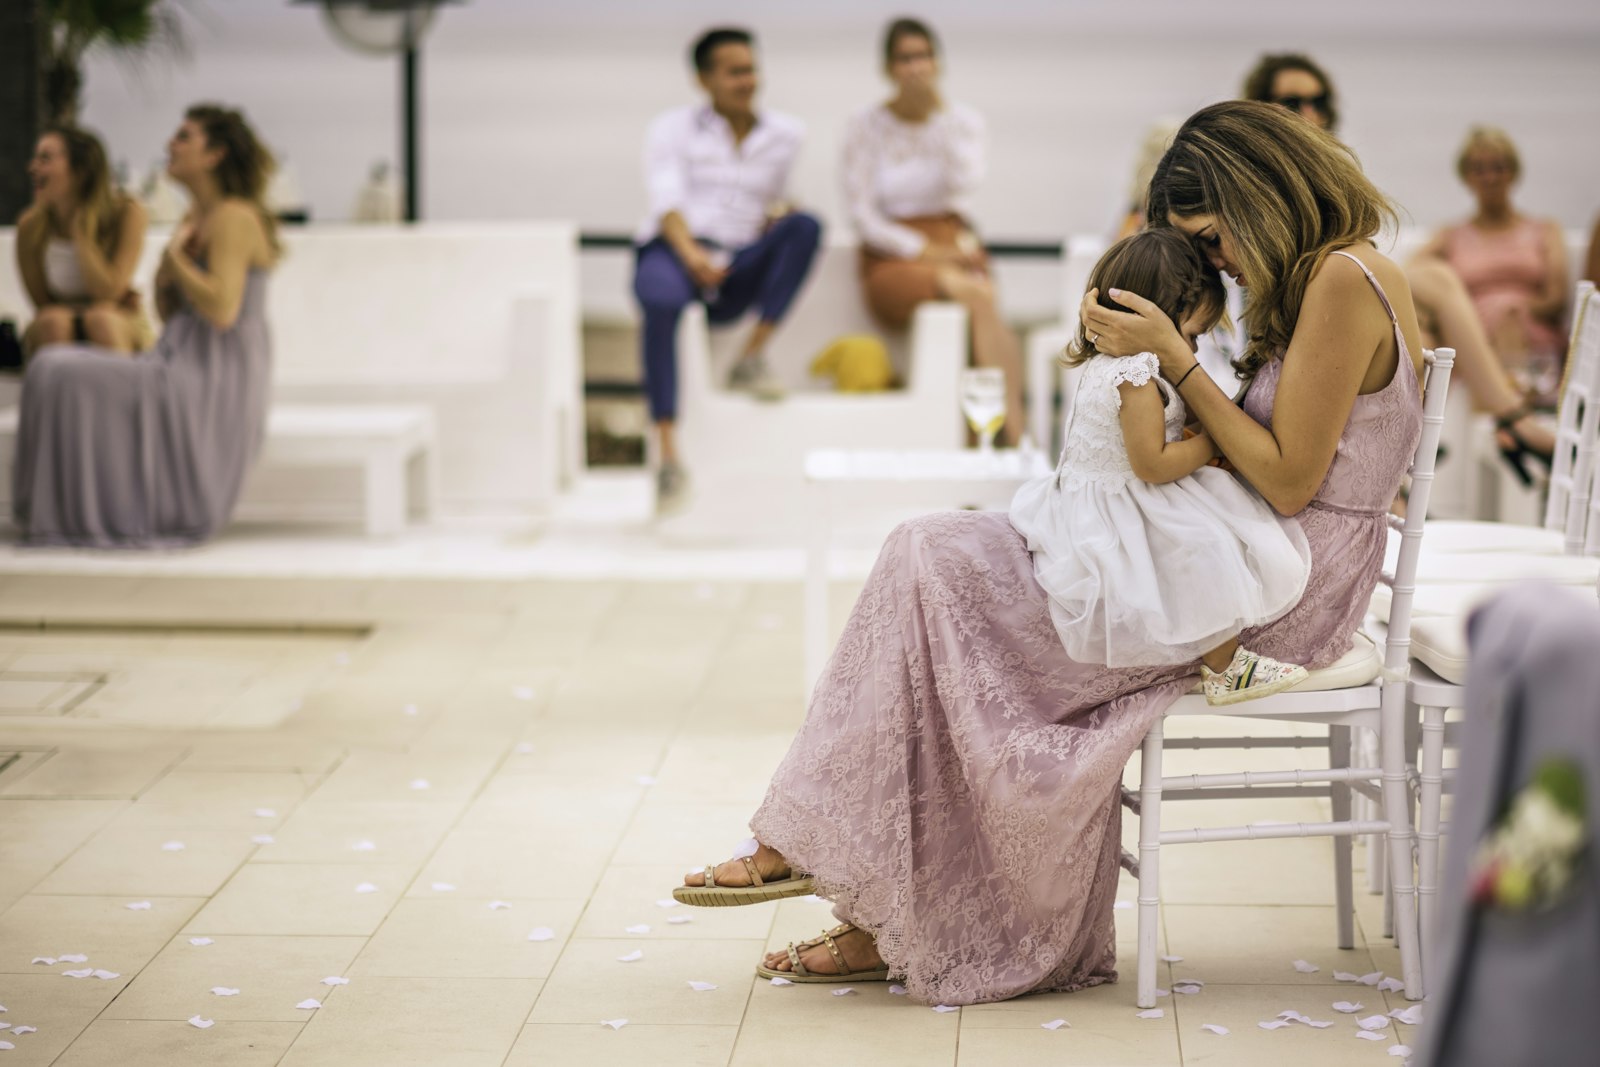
{"points": [[954, 788]]}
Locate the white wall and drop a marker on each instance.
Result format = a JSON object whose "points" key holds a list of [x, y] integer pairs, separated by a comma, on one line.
{"points": [[535, 108]]}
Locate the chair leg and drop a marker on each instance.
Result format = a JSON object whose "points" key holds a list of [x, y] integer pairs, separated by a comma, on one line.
{"points": [[1149, 864], [1397, 813], [1432, 780], [1343, 877], [1377, 866]]}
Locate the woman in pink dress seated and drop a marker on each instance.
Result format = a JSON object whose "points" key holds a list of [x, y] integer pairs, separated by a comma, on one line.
{"points": [[1513, 265], [954, 788]]}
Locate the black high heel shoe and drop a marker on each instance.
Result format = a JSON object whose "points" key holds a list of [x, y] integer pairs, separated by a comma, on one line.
{"points": [[1519, 452]]}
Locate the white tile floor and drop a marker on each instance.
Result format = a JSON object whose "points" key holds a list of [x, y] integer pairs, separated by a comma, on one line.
{"points": [[488, 739]]}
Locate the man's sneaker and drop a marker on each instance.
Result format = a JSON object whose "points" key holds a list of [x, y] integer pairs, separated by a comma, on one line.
{"points": [[672, 489], [750, 375], [1249, 676]]}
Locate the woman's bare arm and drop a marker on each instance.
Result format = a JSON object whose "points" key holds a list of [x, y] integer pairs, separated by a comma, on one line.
{"points": [[108, 278], [30, 257], [1551, 304], [232, 240]]}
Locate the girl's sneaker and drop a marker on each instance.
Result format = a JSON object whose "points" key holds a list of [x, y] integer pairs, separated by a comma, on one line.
{"points": [[1249, 676]]}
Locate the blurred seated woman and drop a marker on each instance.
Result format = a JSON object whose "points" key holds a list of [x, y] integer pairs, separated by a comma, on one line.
{"points": [[151, 451], [78, 246], [909, 167], [1514, 266], [1445, 311]]}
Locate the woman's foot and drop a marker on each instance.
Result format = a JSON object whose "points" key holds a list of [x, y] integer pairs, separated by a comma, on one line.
{"points": [[762, 876], [859, 950], [769, 863], [1521, 438]]}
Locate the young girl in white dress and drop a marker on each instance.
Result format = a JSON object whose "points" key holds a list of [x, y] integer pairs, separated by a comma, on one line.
{"points": [[1151, 555]]}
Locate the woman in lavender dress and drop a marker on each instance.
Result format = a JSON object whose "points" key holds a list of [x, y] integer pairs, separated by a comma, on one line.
{"points": [[954, 788], [151, 451]]}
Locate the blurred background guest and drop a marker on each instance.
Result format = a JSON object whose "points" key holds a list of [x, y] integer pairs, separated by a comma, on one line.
{"points": [[719, 230], [1513, 265], [151, 451], [1445, 310], [909, 166], [78, 246]]}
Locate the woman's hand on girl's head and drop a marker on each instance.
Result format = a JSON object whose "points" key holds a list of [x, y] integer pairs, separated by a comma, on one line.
{"points": [[1142, 328]]}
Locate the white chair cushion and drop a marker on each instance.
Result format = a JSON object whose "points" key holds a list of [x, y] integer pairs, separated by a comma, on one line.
{"points": [[1440, 642], [1481, 567], [1434, 600], [1449, 536], [1355, 668]]}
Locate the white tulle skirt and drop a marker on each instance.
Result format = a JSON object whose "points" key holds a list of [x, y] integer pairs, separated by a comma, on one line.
{"points": [[1144, 575]]}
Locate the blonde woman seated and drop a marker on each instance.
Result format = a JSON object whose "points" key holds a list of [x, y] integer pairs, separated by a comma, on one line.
{"points": [[1513, 265], [77, 248], [909, 167]]}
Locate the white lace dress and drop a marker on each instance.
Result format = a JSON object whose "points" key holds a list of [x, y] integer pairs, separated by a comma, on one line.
{"points": [[1141, 574]]}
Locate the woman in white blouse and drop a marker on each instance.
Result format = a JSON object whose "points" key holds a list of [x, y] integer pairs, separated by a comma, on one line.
{"points": [[909, 167], [78, 246]]}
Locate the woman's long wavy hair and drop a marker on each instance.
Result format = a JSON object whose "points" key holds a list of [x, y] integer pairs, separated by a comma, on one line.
{"points": [[246, 165], [99, 202], [1289, 194], [1161, 265]]}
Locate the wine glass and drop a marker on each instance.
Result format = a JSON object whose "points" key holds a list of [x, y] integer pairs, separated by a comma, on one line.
{"points": [[983, 402]]}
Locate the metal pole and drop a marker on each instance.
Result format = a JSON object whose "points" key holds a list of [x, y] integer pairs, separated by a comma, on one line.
{"points": [[409, 126]]}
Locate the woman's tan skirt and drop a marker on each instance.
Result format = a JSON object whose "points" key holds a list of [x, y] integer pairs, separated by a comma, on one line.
{"points": [[894, 287]]}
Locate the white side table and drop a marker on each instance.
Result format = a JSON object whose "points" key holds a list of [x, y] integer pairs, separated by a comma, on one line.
{"points": [[957, 477]]}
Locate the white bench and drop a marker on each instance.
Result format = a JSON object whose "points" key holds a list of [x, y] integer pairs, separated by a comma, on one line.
{"points": [[475, 324], [392, 446]]}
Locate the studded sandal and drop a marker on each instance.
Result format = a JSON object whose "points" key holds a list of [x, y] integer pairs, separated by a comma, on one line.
{"points": [[712, 895], [801, 974]]}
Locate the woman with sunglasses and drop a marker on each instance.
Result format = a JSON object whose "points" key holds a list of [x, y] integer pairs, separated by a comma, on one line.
{"points": [[1444, 307]]}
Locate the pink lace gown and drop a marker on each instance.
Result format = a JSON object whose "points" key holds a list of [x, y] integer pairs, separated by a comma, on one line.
{"points": [[954, 787]]}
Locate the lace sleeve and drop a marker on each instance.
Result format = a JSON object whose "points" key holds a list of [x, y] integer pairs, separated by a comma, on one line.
{"points": [[1135, 370]]}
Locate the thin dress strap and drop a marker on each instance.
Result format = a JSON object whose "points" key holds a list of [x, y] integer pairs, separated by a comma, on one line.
{"points": [[1375, 285]]}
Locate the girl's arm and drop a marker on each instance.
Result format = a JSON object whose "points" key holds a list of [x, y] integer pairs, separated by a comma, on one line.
{"points": [[1341, 329], [216, 293], [108, 279], [1144, 431]]}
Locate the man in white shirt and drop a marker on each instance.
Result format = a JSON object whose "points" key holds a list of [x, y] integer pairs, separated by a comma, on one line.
{"points": [[718, 230]]}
